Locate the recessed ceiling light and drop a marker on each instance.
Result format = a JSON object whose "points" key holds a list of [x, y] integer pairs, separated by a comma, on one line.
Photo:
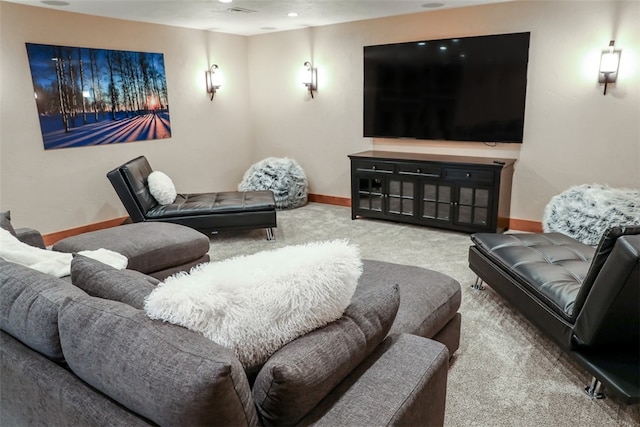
{"points": [[292, 14], [55, 3], [432, 5], [225, 1]]}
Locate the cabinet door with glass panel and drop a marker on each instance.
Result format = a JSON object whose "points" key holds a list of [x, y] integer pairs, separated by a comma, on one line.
{"points": [[401, 196], [436, 201], [474, 197], [380, 195], [369, 180], [371, 194], [473, 206], [444, 202]]}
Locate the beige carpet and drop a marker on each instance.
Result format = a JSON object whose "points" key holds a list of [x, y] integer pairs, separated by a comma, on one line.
{"points": [[505, 373]]}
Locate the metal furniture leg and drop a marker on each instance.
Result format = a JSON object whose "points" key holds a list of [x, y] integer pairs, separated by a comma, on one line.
{"points": [[270, 235], [595, 390]]}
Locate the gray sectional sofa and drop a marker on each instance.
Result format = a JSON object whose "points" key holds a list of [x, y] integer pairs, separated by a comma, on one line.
{"points": [[69, 357]]}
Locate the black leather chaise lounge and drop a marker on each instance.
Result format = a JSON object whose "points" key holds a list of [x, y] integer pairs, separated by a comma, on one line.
{"points": [[205, 212], [586, 299]]}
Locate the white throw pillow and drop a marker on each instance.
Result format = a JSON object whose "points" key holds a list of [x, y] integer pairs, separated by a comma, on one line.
{"points": [[256, 304], [161, 187]]}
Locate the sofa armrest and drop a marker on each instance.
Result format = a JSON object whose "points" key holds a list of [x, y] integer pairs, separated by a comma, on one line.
{"points": [[404, 382], [30, 236]]}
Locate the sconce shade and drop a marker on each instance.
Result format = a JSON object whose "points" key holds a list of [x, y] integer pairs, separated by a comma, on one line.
{"points": [[213, 79], [309, 77], [609, 63]]}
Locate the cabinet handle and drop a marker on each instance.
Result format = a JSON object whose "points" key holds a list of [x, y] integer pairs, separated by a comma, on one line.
{"points": [[373, 167], [468, 175], [419, 170]]}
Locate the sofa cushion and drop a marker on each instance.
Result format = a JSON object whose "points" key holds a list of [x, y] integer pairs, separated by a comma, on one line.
{"points": [[299, 375], [103, 281], [5, 222], [163, 372], [428, 299], [161, 187], [551, 266], [256, 304], [30, 236], [149, 246], [223, 202], [29, 307]]}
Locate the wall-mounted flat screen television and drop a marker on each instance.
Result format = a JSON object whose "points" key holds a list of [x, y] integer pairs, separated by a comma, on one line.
{"points": [[460, 89]]}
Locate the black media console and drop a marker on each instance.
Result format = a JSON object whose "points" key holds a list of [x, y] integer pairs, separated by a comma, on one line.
{"points": [[460, 193]]}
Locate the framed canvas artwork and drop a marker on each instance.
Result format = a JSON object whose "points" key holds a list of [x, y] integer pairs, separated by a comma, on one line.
{"points": [[87, 96]]}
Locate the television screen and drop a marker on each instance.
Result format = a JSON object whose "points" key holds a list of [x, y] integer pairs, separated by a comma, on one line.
{"points": [[462, 89]]}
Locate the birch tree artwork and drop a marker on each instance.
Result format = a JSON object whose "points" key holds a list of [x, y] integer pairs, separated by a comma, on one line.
{"points": [[88, 96]]}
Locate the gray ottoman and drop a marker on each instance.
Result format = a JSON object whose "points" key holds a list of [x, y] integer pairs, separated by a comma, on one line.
{"points": [[154, 248], [429, 300]]}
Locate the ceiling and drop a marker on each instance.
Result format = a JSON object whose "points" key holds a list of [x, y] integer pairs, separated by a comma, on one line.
{"points": [[248, 17]]}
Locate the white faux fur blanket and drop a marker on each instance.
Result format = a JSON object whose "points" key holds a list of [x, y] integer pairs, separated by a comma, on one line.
{"points": [[51, 262], [255, 304]]}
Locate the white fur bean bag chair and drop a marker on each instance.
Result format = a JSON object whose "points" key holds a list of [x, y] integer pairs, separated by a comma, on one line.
{"points": [[283, 176], [585, 212]]}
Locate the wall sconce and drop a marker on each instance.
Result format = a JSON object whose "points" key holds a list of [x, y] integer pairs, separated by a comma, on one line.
{"points": [[609, 62], [309, 77], [214, 81]]}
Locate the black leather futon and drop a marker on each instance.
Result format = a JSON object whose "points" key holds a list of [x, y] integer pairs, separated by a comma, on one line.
{"points": [[205, 212], [586, 299]]}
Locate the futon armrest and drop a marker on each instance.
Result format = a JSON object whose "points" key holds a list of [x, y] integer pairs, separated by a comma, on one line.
{"points": [[404, 382], [30, 236]]}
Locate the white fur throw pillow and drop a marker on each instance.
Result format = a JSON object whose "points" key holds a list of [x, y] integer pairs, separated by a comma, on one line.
{"points": [[161, 187], [256, 304]]}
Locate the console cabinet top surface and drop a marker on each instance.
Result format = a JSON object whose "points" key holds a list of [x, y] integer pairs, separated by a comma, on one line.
{"points": [[437, 158]]}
